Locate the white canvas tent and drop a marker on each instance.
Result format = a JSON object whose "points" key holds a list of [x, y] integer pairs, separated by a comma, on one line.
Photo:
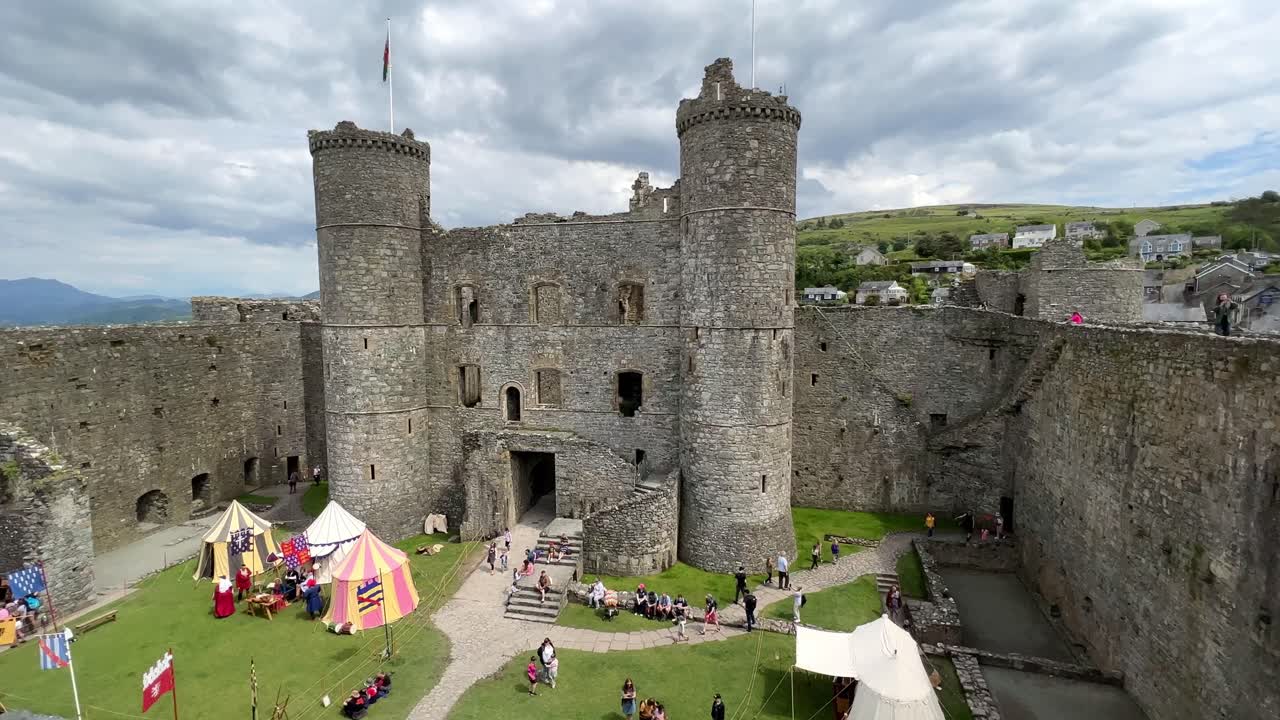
{"points": [[884, 659], [331, 537]]}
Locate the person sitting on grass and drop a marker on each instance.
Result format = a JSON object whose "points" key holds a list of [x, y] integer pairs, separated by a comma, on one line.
{"points": [[681, 607], [642, 601], [370, 692], [665, 611], [596, 596], [354, 706], [653, 605], [544, 584], [383, 683]]}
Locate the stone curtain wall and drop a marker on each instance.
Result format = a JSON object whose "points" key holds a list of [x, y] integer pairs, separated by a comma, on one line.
{"points": [[229, 309], [45, 517], [636, 537], [867, 405], [1148, 509], [142, 408]]}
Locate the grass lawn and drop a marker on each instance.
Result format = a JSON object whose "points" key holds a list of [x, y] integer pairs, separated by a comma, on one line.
{"points": [[211, 657], [841, 608], [812, 524], [693, 583], [251, 499], [581, 616], [952, 695], [911, 574], [315, 498], [681, 677]]}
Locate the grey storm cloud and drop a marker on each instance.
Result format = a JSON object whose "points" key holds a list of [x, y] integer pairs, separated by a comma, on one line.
{"points": [[160, 146]]}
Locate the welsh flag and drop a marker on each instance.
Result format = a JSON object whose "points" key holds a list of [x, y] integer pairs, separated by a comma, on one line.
{"points": [[386, 58], [157, 681]]}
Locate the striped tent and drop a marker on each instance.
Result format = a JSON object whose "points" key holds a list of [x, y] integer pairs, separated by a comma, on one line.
{"points": [[331, 537], [372, 586], [237, 538]]}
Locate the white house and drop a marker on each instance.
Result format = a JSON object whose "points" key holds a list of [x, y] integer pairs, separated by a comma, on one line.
{"points": [[1034, 236], [1143, 228], [886, 292], [824, 294], [1082, 230], [1160, 247], [982, 241], [940, 296], [870, 256]]}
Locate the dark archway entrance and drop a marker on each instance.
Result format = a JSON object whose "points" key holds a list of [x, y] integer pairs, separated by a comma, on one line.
{"points": [[153, 507], [251, 472], [201, 493], [513, 404], [1006, 512], [533, 477]]}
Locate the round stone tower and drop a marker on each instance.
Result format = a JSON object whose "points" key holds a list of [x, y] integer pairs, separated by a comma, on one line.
{"points": [[738, 199], [373, 202]]}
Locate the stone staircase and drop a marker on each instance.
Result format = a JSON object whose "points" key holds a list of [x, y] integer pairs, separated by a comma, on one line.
{"points": [[884, 581], [525, 603], [646, 486]]}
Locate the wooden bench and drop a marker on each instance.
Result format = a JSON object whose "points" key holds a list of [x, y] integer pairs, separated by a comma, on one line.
{"points": [[97, 622]]}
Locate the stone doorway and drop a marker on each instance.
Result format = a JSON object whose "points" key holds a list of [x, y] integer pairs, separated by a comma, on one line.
{"points": [[533, 477], [152, 508], [201, 493]]}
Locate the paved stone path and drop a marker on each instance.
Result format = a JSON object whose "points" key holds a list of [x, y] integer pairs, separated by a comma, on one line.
{"points": [[482, 641]]}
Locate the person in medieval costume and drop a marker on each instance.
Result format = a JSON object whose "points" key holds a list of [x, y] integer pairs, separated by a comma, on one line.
{"points": [[315, 601], [224, 605], [244, 581]]}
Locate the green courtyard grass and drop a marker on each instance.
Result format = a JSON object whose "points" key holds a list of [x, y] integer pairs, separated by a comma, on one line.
{"points": [[679, 579], [911, 574], [812, 524], [682, 677], [954, 705], [315, 498], [841, 608], [251, 499], [211, 657], [581, 616]]}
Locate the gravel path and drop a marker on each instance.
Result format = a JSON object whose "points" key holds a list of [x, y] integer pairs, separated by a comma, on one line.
{"points": [[482, 640]]}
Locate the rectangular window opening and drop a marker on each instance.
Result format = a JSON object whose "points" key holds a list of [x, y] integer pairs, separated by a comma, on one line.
{"points": [[547, 384], [764, 483], [639, 457], [279, 430], [822, 346], [813, 379], [630, 392], [410, 426], [630, 303], [373, 472], [937, 421], [366, 343], [469, 385], [991, 353]]}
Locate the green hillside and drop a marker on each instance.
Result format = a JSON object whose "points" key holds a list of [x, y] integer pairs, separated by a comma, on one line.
{"points": [[825, 246]]}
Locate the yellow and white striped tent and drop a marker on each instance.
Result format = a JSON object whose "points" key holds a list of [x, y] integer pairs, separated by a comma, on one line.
{"points": [[216, 557]]}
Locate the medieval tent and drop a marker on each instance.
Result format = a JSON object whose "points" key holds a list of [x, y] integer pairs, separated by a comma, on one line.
{"points": [[238, 537], [372, 586], [331, 537], [884, 659]]}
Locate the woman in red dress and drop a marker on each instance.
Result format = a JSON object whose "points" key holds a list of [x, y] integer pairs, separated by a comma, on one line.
{"points": [[244, 580], [223, 604]]}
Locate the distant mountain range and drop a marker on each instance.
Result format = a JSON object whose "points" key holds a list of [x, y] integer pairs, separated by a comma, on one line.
{"points": [[39, 301]]}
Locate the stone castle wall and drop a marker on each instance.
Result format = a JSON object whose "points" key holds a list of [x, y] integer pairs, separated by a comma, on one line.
{"points": [[1147, 503], [45, 517], [615, 544], [139, 409], [232, 310]]}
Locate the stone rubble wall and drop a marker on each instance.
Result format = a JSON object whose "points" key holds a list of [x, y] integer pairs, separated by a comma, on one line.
{"points": [[636, 537], [937, 621], [231, 309], [45, 518], [138, 408]]}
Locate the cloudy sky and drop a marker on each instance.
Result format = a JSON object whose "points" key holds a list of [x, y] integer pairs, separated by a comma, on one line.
{"points": [[160, 147]]}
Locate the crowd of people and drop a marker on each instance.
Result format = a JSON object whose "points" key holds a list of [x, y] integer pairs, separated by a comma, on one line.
{"points": [[361, 699], [291, 586], [651, 709], [27, 611]]}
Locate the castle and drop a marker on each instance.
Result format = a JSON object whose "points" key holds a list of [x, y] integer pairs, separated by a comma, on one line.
{"points": [[650, 373]]}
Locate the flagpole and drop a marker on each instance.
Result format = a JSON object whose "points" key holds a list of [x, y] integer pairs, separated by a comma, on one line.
{"points": [[753, 44], [391, 94], [75, 692], [48, 593], [253, 688], [174, 692]]}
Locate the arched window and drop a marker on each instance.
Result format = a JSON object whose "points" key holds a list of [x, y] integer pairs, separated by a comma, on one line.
{"points": [[513, 404], [152, 507]]}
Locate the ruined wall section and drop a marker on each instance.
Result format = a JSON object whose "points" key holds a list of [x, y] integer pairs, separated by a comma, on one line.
{"points": [[1148, 500], [589, 297], [636, 537], [151, 408], [45, 517], [231, 309], [1061, 281], [737, 275], [874, 385], [373, 201]]}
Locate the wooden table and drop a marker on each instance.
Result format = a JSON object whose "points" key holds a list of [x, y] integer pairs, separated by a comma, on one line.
{"points": [[265, 604]]}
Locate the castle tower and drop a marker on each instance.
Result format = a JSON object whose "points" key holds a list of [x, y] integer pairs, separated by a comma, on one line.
{"points": [[373, 202], [738, 198]]}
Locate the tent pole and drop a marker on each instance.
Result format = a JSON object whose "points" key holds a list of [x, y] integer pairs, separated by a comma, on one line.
{"points": [[792, 672]]}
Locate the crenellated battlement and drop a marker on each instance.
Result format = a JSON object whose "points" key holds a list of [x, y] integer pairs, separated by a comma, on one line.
{"points": [[346, 135], [722, 98]]}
